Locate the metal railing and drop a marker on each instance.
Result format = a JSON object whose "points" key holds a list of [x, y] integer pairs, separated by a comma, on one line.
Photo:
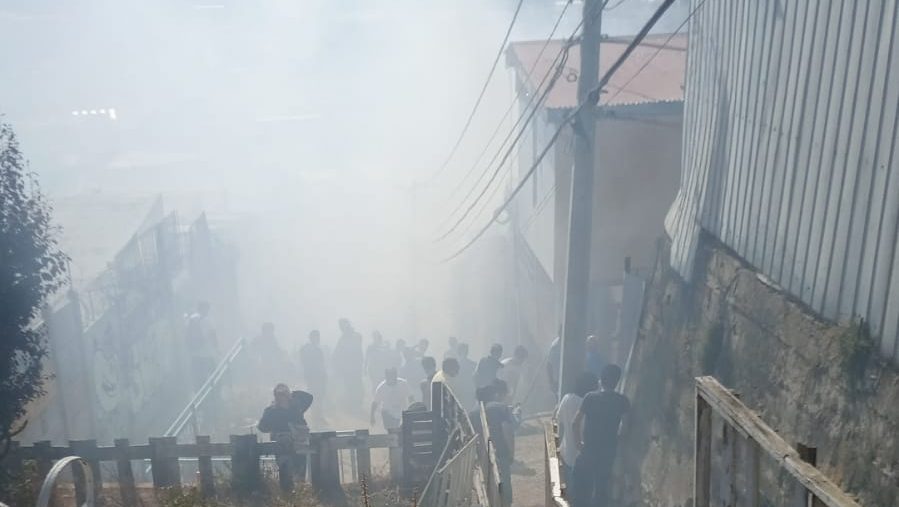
{"points": [[189, 414]]}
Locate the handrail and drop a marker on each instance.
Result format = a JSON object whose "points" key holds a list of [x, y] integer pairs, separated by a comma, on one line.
{"points": [[43, 499], [437, 466], [711, 394], [189, 413]]}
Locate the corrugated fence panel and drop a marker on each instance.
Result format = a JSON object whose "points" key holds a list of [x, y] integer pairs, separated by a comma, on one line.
{"points": [[789, 155]]}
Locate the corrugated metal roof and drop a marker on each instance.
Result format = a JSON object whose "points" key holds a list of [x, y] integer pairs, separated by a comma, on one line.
{"points": [[661, 81], [789, 156]]}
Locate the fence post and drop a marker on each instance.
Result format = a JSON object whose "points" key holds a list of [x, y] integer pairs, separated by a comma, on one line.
{"points": [[204, 467], [363, 456], [754, 479], [702, 462], [245, 474], [42, 456], [808, 454], [86, 449], [438, 433], [127, 488], [398, 455], [164, 461]]}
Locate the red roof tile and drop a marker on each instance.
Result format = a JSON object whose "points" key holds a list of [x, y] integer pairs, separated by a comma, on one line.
{"points": [[661, 81]]}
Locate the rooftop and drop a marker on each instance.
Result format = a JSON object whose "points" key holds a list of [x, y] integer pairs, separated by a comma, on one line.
{"points": [[661, 81]]}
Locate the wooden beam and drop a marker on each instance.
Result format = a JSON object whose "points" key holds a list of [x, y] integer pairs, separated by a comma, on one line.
{"points": [[127, 489], [726, 405]]}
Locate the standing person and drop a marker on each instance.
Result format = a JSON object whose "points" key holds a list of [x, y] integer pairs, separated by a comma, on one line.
{"points": [[348, 360], [411, 369], [452, 349], [397, 355], [466, 365], [202, 343], [422, 347], [488, 367], [565, 414], [271, 362], [392, 396], [312, 360], [429, 365], [554, 364], [595, 360], [376, 360], [598, 422], [285, 420], [512, 369], [502, 420]]}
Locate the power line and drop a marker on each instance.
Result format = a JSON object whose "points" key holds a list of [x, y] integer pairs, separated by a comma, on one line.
{"points": [[654, 55], [564, 53], [592, 98], [527, 113], [558, 72], [510, 108], [477, 103]]}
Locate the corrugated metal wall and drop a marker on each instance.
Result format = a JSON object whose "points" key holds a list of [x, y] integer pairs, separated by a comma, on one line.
{"points": [[789, 143]]}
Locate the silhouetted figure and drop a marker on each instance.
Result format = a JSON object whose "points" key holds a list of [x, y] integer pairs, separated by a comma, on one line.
{"points": [[452, 349], [270, 360], [312, 359], [502, 420], [392, 396], [488, 367], [285, 420], [596, 358], [429, 365], [348, 361], [202, 344], [554, 364], [377, 358], [598, 422], [466, 373]]}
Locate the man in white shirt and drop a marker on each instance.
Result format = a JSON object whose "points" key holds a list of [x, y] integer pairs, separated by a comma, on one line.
{"points": [[565, 415], [392, 396]]}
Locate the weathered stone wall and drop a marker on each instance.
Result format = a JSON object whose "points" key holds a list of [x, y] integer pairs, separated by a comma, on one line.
{"points": [[811, 380]]}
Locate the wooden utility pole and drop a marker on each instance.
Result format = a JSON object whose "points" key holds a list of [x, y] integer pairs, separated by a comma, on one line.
{"points": [[575, 305]]}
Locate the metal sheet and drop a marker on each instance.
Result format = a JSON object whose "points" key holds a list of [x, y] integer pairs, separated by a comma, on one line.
{"points": [[790, 126]]}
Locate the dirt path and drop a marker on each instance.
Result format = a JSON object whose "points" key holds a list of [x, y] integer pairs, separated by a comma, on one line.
{"points": [[528, 480]]}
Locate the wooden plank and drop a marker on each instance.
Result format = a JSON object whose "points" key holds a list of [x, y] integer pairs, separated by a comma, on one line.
{"points": [[702, 462], [397, 458], [87, 450], [125, 472], [726, 405], [204, 466]]}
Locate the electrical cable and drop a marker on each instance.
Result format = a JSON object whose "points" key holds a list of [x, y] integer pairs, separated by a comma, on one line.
{"points": [[562, 52], [654, 55], [477, 103], [592, 98], [511, 107], [549, 87]]}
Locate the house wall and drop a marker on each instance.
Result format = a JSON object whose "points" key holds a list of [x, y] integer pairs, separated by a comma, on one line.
{"points": [[790, 134]]}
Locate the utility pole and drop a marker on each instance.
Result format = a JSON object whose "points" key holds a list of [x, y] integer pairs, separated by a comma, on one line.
{"points": [[575, 304]]}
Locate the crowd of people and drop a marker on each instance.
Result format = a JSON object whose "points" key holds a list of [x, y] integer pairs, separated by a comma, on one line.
{"points": [[399, 377]]}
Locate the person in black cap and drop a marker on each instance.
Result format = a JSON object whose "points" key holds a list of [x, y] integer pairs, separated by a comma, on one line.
{"points": [[285, 420]]}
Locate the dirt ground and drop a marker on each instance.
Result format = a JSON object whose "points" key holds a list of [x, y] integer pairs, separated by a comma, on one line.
{"points": [[528, 480]]}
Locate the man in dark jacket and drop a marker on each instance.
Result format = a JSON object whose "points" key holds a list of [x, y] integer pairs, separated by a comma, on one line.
{"points": [[285, 420]]}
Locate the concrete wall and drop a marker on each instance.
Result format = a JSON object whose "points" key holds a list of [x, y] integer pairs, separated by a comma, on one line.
{"points": [[785, 363]]}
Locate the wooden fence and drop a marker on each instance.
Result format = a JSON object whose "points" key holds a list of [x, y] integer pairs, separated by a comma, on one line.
{"points": [[243, 451], [739, 447]]}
